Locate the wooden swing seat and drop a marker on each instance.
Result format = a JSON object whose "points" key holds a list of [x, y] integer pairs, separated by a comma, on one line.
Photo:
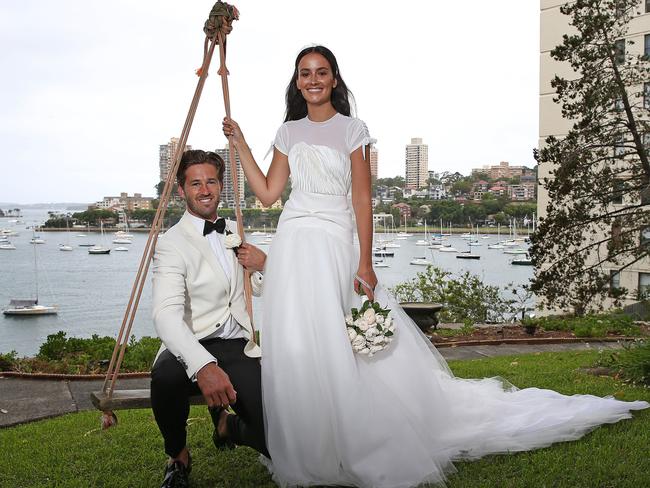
{"points": [[127, 399]]}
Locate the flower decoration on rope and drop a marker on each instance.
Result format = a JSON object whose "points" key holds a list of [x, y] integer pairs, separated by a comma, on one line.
{"points": [[220, 19]]}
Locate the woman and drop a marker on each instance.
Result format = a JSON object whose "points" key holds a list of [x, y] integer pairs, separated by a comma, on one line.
{"points": [[336, 418]]}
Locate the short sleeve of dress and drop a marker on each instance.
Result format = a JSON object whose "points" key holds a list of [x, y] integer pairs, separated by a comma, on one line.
{"points": [[357, 135], [281, 141]]}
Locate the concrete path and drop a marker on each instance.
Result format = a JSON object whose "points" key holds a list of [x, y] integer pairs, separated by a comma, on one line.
{"points": [[26, 400]]}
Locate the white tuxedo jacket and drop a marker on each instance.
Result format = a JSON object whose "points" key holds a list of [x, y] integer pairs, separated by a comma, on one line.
{"points": [[192, 295]]}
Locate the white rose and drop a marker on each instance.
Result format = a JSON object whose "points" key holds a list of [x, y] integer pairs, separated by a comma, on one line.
{"points": [[349, 320], [352, 334], [379, 318], [374, 349], [365, 350], [369, 315], [371, 332], [362, 324], [380, 339], [359, 342], [232, 240]]}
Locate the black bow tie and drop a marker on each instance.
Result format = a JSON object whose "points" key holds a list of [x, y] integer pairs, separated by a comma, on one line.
{"points": [[219, 226]]}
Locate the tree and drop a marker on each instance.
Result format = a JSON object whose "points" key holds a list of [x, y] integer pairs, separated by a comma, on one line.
{"points": [[94, 216], [461, 187], [394, 181], [599, 185], [480, 175]]}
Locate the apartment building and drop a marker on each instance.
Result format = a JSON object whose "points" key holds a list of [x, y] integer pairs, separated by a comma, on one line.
{"points": [[635, 278]]}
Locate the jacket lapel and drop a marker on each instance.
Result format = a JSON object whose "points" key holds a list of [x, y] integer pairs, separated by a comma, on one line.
{"points": [[202, 245]]}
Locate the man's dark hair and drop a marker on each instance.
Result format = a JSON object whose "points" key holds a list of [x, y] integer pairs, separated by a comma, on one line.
{"points": [[197, 156]]}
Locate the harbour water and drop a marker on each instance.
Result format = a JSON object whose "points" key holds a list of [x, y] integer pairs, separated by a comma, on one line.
{"points": [[92, 290]]}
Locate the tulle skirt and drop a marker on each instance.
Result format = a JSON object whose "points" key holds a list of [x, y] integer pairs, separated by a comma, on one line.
{"points": [[394, 420]]}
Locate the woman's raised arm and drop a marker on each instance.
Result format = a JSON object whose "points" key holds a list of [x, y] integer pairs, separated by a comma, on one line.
{"points": [[267, 188]]}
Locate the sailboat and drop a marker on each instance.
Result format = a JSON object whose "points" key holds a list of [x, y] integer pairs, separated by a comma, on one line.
{"points": [[475, 241], [425, 241], [123, 236], [498, 245], [99, 249], [30, 306], [67, 246], [522, 261], [404, 234]]}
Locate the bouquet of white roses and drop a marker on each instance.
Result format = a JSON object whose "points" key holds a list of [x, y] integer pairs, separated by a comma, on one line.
{"points": [[370, 328]]}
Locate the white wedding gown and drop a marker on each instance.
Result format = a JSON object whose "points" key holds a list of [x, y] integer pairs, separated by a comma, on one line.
{"points": [[397, 419]]}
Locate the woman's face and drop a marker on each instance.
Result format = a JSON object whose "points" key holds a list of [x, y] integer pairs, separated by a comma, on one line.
{"points": [[315, 79]]}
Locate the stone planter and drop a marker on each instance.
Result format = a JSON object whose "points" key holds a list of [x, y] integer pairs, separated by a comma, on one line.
{"points": [[425, 315]]}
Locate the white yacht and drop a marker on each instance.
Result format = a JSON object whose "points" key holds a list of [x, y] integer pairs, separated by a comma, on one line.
{"points": [[29, 307]]}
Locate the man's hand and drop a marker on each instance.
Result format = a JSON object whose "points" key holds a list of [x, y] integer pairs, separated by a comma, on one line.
{"points": [[251, 257], [215, 386]]}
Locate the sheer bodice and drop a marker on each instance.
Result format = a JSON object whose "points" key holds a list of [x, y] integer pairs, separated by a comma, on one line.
{"points": [[319, 152]]}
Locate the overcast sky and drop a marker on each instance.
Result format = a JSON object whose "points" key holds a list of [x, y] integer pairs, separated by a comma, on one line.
{"points": [[90, 89]]}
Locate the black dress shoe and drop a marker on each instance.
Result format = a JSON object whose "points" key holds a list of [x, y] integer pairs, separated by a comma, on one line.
{"points": [[220, 442], [177, 475]]}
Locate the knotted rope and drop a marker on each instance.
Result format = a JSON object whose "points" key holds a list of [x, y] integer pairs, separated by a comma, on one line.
{"points": [[216, 28]]}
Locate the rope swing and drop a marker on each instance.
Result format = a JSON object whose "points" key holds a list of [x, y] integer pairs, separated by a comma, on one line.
{"points": [[216, 28]]}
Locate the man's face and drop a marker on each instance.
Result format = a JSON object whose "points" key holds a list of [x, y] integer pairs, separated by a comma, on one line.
{"points": [[201, 191]]}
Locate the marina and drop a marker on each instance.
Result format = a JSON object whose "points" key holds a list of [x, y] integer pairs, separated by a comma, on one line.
{"points": [[91, 292]]}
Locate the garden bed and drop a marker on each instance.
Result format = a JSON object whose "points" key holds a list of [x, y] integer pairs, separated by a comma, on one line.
{"points": [[517, 334]]}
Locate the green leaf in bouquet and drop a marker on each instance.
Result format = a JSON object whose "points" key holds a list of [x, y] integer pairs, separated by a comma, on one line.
{"points": [[388, 333], [355, 313], [379, 328]]}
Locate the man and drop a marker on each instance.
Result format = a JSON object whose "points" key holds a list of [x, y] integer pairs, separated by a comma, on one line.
{"points": [[199, 313]]}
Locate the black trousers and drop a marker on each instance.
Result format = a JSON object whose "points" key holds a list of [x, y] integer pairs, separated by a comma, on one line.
{"points": [[171, 389]]}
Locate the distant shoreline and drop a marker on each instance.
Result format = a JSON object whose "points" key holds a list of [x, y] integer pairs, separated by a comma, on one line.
{"points": [[413, 230]]}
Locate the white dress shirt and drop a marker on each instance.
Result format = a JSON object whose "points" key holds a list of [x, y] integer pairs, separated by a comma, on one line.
{"points": [[230, 329]]}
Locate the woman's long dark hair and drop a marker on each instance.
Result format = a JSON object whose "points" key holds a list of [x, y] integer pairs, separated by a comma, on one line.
{"points": [[342, 98]]}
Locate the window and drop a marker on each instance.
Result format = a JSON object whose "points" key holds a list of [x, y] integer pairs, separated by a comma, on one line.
{"points": [[616, 240], [619, 51], [614, 281], [644, 285], [645, 196], [619, 147], [646, 96], [618, 103], [645, 237], [617, 194], [646, 46], [647, 6]]}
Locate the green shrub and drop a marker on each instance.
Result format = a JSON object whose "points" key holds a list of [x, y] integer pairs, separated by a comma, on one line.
{"points": [[59, 354], [632, 362], [464, 298], [140, 354], [595, 325], [54, 346], [8, 361]]}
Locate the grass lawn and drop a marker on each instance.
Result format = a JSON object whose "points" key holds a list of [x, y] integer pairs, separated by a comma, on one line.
{"points": [[71, 451]]}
